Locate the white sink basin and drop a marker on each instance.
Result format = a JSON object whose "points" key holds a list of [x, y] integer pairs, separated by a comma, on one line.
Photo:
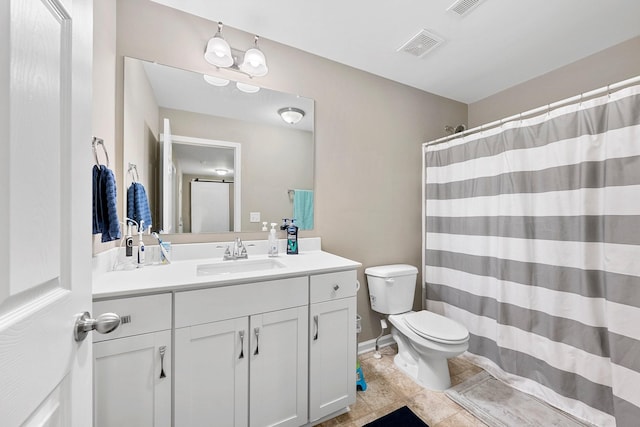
{"points": [[237, 266]]}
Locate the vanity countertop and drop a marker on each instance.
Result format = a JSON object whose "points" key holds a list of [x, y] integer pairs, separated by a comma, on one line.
{"points": [[182, 275]]}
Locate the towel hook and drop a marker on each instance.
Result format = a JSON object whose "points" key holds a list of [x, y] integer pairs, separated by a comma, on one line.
{"points": [[133, 168], [99, 141]]}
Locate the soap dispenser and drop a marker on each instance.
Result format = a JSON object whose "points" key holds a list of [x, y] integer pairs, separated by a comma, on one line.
{"points": [[292, 238], [273, 241]]}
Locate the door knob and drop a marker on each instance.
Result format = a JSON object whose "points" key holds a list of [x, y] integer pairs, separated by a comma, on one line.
{"points": [[104, 324]]}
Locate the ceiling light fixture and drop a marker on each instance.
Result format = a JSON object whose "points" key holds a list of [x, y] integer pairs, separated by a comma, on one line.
{"points": [[219, 53], [291, 115]]}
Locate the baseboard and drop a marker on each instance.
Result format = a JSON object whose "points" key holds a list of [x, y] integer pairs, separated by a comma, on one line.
{"points": [[367, 346]]}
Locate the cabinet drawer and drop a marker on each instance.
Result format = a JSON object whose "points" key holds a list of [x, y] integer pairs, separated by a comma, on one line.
{"points": [[138, 315], [331, 286], [227, 302]]}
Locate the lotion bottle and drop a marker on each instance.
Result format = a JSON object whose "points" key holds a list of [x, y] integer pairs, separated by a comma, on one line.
{"points": [[273, 241]]}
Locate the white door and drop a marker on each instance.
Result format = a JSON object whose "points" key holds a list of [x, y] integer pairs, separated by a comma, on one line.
{"points": [[129, 387], [332, 356], [45, 211], [278, 373], [209, 207], [167, 178], [212, 374]]}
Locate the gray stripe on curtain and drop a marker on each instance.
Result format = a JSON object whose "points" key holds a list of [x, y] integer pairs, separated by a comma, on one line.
{"points": [[625, 352], [589, 283], [596, 174], [627, 414], [567, 383], [586, 228], [594, 340], [587, 122]]}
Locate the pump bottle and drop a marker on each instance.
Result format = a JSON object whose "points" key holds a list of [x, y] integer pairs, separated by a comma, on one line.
{"points": [[292, 238], [273, 241]]}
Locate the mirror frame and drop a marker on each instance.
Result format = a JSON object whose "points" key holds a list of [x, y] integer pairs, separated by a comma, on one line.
{"points": [[309, 181]]}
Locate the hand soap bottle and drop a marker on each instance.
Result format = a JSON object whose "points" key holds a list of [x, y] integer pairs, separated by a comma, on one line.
{"points": [[273, 241], [292, 238]]}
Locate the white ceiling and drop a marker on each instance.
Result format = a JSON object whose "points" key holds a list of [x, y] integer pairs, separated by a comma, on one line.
{"points": [[497, 45]]}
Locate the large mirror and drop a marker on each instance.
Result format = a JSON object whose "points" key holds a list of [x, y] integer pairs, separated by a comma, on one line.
{"points": [[214, 158]]}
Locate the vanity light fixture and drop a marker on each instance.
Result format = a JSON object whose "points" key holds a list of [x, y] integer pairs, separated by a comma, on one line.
{"points": [[219, 53], [291, 115], [254, 63]]}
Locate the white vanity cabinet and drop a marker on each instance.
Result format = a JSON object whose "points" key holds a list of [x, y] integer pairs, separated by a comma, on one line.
{"points": [[332, 343], [128, 387], [241, 354]]}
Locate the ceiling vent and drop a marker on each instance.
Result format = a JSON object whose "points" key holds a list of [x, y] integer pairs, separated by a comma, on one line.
{"points": [[463, 7], [421, 44]]}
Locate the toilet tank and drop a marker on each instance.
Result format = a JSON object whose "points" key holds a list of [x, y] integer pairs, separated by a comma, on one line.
{"points": [[391, 287]]}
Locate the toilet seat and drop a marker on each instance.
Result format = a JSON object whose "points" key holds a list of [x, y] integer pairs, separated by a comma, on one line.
{"points": [[435, 327]]}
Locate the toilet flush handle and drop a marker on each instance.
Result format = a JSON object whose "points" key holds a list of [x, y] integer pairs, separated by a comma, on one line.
{"points": [[389, 281]]}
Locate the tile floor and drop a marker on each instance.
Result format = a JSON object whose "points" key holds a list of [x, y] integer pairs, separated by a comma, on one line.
{"points": [[388, 389]]}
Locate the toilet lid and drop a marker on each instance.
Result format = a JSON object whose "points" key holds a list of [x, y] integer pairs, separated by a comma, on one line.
{"points": [[437, 328]]}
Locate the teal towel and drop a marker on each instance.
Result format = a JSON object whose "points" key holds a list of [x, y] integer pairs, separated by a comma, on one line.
{"points": [[303, 209]]}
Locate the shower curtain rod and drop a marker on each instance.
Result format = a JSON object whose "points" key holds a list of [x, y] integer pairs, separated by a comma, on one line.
{"points": [[568, 101]]}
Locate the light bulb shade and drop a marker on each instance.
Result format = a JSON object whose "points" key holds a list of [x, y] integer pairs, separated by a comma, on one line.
{"points": [[245, 87], [291, 115], [254, 63], [218, 52], [215, 81]]}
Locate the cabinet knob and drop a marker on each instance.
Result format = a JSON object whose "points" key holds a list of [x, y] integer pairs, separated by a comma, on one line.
{"points": [[104, 324], [336, 287]]}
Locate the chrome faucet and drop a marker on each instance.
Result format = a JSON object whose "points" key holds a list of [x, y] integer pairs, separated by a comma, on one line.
{"points": [[239, 251]]}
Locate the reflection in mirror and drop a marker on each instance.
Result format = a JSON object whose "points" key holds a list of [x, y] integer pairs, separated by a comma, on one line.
{"points": [[210, 156]]}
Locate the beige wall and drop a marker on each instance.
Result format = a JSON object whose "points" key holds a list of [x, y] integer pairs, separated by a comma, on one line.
{"points": [[369, 132], [612, 65]]}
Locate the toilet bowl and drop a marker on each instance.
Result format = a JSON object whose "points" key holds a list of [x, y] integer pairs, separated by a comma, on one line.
{"points": [[425, 339]]}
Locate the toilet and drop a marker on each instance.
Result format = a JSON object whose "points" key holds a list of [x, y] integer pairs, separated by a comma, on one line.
{"points": [[425, 339]]}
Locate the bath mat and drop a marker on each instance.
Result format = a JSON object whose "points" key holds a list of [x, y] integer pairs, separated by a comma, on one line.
{"points": [[402, 417], [498, 405]]}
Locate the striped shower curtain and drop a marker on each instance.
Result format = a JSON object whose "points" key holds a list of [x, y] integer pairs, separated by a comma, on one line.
{"points": [[532, 241]]}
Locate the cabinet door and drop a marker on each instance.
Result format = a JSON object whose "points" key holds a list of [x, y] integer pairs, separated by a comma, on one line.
{"points": [[279, 350], [332, 357], [128, 390], [211, 374]]}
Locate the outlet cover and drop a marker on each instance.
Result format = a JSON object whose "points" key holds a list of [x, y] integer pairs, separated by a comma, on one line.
{"points": [[254, 216]]}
